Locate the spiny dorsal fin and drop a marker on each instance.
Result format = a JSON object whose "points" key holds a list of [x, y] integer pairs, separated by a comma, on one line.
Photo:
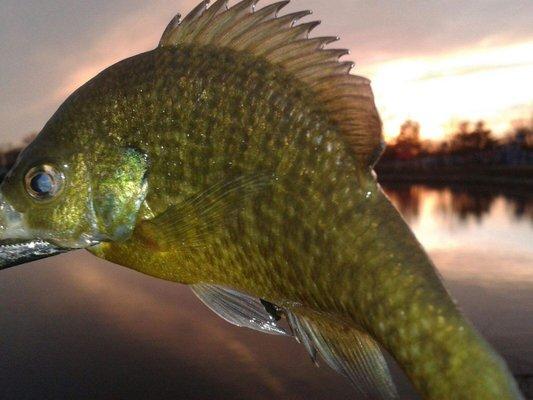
{"points": [[348, 98]]}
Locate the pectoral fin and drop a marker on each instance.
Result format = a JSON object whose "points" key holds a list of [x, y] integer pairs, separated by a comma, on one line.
{"points": [[193, 221], [238, 308], [348, 351]]}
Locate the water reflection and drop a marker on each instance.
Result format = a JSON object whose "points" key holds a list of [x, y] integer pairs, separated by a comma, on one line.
{"points": [[78, 327], [475, 218], [461, 202]]}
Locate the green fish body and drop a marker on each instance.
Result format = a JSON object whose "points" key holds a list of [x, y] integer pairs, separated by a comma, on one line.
{"points": [[237, 158]]}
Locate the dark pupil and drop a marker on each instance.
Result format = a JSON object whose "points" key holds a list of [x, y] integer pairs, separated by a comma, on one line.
{"points": [[42, 183]]}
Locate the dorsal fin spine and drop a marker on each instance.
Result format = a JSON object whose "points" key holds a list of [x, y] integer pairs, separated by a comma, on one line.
{"points": [[292, 34], [243, 24], [255, 34], [322, 70], [171, 27], [315, 57], [216, 11], [240, 12], [298, 32], [197, 12], [187, 25], [298, 48]]}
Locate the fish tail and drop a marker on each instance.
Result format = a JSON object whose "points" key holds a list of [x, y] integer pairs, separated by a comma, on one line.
{"points": [[410, 312]]}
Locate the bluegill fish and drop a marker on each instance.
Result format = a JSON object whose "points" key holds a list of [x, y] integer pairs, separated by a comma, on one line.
{"points": [[237, 158]]}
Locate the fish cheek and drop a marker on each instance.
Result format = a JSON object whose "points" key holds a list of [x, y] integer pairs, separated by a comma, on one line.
{"points": [[67, 219]]}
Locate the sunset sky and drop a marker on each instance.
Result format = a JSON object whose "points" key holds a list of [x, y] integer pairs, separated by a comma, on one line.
{"points": [[436, 62]]}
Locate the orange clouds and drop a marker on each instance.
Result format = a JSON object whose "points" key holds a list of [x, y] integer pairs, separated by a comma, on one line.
{"points": [[490, 83]]}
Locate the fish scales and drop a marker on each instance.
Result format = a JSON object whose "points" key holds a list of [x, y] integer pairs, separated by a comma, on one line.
{"points": [[207, 138]]}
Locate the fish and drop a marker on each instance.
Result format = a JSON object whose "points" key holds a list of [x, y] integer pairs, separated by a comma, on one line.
{"points": [[237, 158]]}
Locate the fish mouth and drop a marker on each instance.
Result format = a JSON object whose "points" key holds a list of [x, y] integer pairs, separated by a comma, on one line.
{"points": [[16, 244], [15, 252]]}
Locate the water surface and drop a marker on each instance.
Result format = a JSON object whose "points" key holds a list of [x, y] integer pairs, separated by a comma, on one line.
{"points": [[78, 327]]}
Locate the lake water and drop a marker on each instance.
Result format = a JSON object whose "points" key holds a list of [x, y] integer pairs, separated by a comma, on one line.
{"points": [[78, 327]]}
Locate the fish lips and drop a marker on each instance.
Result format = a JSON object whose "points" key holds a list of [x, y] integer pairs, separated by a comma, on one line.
{"points": [[16, 244], [15, 252]]}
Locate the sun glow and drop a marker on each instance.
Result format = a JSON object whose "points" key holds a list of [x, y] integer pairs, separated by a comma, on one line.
{"points": [[493, 84]]}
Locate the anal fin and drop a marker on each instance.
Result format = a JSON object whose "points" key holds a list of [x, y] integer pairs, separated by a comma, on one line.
{"points": [[347, 350]]}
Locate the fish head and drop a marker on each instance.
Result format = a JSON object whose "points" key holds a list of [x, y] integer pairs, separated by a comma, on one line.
{"points": [[61, 195]]}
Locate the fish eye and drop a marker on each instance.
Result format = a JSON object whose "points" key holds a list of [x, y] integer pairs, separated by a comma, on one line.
{"points": [[44, 182]]}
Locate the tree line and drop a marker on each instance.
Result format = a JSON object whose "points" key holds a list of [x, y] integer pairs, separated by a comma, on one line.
{"points": [[469, 138]]}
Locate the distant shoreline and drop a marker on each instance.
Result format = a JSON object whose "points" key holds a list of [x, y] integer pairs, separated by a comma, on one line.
{"points": [[504, 175]]}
